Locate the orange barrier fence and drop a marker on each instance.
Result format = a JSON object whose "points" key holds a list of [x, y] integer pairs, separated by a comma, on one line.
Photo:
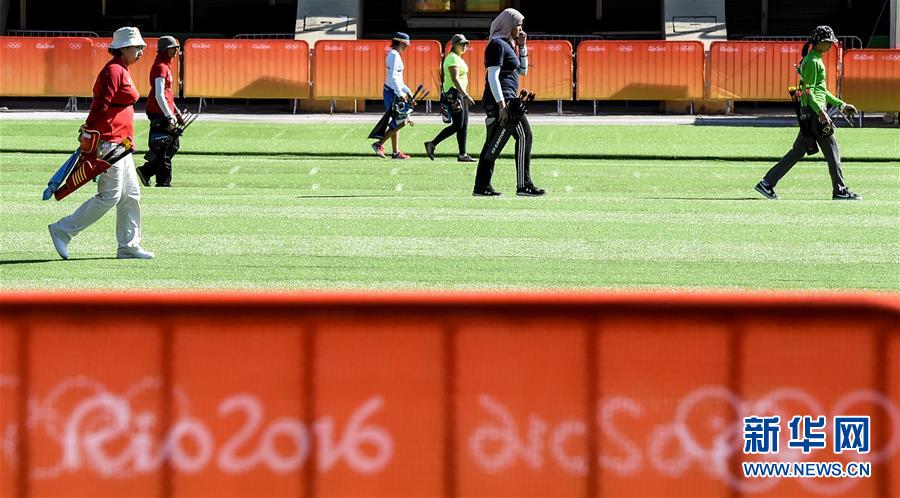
{"points": [[550, 69], [140, 70], [485, 395], [761, 70], [46, 67], [252, 69], [871, 79], [640, 70], [355, 69]]}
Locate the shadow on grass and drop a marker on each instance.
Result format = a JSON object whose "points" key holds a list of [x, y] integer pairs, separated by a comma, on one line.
{"points": [[536, 155], [707, 198], [343, 196], [54, 260]]}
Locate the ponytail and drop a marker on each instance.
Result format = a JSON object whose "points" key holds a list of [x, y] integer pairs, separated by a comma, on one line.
{"points": [[806, 47]]}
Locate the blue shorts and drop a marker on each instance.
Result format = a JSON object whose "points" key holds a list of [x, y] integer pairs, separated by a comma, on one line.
{"points": [[389, 99]]}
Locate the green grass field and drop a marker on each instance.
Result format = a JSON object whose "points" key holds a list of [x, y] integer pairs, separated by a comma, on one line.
{"points": [[278, 206]]}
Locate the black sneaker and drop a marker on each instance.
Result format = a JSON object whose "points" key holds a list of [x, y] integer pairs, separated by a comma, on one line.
{"points": [[142, 176], [485, 192], [845, 194], [429, 149], [766, 190], [530, 191], [465, 158]]}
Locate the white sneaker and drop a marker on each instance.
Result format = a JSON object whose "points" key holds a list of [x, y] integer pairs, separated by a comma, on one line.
{"points": [[134, 253], [60, 240]]}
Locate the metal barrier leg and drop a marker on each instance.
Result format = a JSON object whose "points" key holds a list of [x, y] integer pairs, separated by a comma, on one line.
{"points": [[331, 107], [294, 111], [427, 107], [200, 106], [72, 104], [594, 102], [559, 107]]}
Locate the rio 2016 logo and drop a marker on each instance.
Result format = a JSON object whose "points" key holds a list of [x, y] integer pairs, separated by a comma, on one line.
{"points": [[121, 435]]}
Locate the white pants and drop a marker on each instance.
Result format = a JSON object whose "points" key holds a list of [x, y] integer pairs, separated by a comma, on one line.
{"points": [[118, 186]]}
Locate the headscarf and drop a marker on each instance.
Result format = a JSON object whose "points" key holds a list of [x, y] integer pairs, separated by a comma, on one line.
{"points": [[504, 23]]}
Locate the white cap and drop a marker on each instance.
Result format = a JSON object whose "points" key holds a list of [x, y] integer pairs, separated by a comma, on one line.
{"points": [[127, 37]]}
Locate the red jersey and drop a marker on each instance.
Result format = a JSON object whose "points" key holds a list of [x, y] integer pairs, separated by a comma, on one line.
{"points": [[111, 110], [160, 69]]}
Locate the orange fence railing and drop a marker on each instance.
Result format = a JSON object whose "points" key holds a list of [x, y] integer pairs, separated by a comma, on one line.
{"points": [[550, 70], [639, 70], [46, 67], [871, 79], [746, 70], [315, 395], [140, 71], [252, 69], [354, 69]]}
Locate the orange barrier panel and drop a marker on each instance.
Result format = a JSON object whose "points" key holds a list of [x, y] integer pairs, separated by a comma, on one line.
{"points": [[324, 395], [354, 69], [871, 79], [761, 70], [640, 70], [251, 69], [46, 67], [550, 68], [140, 71]]}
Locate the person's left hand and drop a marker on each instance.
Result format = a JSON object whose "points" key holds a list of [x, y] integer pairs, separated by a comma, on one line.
{"points": [[850, 110], [523, 37]]}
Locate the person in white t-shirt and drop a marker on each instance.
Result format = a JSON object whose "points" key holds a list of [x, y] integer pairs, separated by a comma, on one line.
{"points": [[394, 90]]}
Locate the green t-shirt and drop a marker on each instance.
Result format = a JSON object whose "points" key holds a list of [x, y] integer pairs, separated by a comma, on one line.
{"points": [[812, 73], [462, 71]]}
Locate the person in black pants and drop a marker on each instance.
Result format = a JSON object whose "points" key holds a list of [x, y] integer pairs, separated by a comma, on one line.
{"points": [[506, 57], [816, 127], [163, 116], [454, 95]]}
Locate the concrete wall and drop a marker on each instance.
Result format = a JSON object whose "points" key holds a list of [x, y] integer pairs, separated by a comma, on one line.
{"points": [[327, 19], [702, 20]]}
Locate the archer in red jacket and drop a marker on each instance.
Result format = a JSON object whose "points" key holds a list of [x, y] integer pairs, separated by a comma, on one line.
{"points": [[163, 115], [112, 115]]}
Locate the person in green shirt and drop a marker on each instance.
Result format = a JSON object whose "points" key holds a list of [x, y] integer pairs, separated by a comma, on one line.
{"points": [[454, 94], [815, 124]]}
